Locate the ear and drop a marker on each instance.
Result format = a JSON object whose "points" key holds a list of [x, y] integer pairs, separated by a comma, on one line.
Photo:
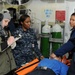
{"points": [[1, 16]]}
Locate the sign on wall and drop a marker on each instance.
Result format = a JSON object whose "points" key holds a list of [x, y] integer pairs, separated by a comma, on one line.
{"points": [[48, 14], [60, 15]]}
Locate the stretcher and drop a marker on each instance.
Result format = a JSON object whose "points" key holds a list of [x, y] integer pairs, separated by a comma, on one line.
{"points": [[27, 67]]}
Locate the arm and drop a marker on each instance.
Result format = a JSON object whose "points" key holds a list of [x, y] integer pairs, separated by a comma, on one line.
{"points": [[67, 46], [37, 51], [64, 49], [7, 43]]}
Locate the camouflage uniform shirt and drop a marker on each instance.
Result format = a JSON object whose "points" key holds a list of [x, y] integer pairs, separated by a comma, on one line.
{"points": [[23, 52]]}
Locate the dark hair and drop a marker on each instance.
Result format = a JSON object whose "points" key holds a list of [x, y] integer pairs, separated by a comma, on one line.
{"points": [[73, 14], [23, 18]]}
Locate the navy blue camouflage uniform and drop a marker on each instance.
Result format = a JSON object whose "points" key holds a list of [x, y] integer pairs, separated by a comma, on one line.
{"points": [[23, 52]]}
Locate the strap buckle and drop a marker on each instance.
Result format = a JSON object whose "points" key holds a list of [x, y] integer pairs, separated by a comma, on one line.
{"points": [[45, 68]]}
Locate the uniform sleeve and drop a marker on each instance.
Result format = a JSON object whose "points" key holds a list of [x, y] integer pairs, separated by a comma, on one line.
{"points": [[64, 48], [67, 46], [36, 49]]}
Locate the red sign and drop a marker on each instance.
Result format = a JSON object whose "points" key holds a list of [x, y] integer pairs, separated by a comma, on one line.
{"points": [[60, 15]]}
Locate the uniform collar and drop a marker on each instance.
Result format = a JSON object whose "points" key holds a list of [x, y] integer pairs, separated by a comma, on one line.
{"points": [[72, 29]]}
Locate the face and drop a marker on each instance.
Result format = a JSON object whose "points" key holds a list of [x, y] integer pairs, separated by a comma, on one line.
{"points": [[5, 22], [26, 23], [72, 21]]}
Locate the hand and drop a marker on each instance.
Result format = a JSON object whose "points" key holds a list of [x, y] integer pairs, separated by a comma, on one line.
{"points": [[53, 56], [10, 40], [42, 57]]}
